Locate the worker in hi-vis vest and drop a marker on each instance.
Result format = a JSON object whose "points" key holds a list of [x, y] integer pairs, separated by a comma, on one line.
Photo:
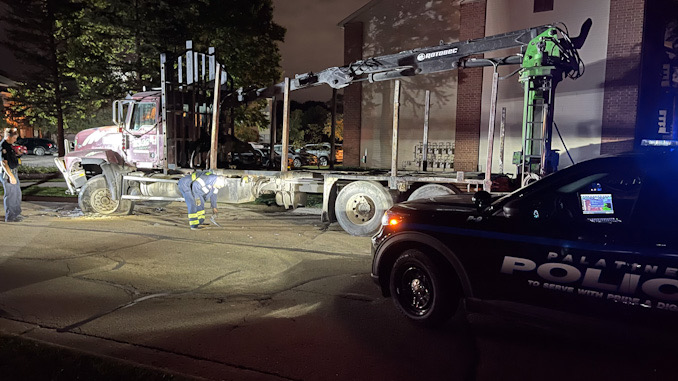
{"points": [[196, 188]]}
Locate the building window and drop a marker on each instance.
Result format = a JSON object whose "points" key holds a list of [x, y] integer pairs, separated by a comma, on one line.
{"points": [[543, 5]]}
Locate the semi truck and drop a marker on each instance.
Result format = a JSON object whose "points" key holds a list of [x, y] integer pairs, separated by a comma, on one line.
{"points": [[158, 136]]}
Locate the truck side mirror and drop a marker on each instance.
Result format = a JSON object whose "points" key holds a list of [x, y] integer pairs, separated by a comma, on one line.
{"points": [[117, 112]]}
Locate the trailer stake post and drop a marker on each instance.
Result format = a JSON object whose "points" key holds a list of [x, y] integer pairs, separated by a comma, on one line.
{"points": [[286, 127], [396, 118], [214, 139], [424, 142], [487, 183], [333, 130]]}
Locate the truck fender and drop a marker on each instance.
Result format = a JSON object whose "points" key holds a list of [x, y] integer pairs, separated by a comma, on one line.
{"points": [[86, 161], [329, 197], [113, 174]]}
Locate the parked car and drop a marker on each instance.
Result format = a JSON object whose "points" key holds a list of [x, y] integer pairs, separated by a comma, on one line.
{"points": [[19, 149], [596, 239], [298, 158], [38, 146], [233, 153], [322, 151]]}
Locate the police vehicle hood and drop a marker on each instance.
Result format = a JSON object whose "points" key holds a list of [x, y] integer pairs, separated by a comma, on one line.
{"points": [[449, 203]]}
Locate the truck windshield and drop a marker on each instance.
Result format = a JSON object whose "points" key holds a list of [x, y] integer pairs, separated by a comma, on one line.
{"points": [[143, 117]]}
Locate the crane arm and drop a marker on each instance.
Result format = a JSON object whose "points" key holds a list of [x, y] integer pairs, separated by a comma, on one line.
{"points": [[408, 63]]}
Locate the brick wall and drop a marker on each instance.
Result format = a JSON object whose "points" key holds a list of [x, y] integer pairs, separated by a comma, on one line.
{"points": [[353, 51], [469, 92], [622, 75]]}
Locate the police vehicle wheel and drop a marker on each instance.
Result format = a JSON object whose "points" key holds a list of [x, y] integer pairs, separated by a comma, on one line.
{"points": [[360, 206], [433, 190], [421, 290], [39, 151], [296, 163], [323, 162], [95, 197]]}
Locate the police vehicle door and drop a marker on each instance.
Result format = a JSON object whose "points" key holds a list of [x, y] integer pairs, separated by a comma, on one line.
{"points": [[653, 236], [571, 233]]}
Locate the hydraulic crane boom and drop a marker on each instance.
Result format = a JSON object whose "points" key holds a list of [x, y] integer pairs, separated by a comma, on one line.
{"points": [[408, 63], [547, 55]]}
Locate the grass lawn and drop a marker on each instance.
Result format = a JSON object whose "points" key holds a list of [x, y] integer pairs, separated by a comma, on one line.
{"points": [[43, 192]]}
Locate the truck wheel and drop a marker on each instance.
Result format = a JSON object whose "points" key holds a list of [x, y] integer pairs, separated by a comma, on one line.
{"points": [[421, 289], [323, 162], [39, 151], [360, 206], [433, 190], [95, 197]]}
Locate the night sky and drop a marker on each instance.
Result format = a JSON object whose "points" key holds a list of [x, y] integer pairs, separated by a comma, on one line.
{"points": [[313, 41]]}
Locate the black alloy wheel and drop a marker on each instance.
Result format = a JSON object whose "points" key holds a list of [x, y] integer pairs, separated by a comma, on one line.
{"points": [[421, 290]]}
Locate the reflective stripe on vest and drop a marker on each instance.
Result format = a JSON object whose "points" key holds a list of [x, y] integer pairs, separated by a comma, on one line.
{"points": [[203, 185]]}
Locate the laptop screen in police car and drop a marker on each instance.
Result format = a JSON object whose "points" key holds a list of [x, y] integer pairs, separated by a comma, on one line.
{"points": [[597, 203]]}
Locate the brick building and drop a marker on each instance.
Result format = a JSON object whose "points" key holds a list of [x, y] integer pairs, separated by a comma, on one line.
{"points": [[626, 94]]}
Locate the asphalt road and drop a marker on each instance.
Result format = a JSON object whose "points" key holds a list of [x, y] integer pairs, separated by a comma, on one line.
{"points": [[273, 295]]}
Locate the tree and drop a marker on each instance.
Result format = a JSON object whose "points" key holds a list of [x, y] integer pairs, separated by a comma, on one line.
{"points": [[3, 116], [313, 122], [338, 128], [40, 33], [248, 121], [85, 53], [296, 128]]}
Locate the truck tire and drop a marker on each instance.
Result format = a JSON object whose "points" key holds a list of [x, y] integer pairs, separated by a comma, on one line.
{"points": [[95, 197], [433, 190], [360, 206]]}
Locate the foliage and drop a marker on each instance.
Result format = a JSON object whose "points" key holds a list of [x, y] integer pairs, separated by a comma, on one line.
{"points": [[101, 117], [40, 33], [249, 120], [297, 129], [31, 169], [3, 117], [313, 120], [338, 128], [85, 53]]}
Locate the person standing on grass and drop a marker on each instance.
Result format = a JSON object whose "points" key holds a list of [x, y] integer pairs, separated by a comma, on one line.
{"points": [[10, 177]]}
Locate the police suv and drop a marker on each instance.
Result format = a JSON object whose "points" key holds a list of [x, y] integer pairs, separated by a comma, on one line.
{"points": [[598, 238]]}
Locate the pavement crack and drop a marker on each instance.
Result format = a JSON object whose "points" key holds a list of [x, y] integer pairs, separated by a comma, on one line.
{"points": [[128, 288], [80, 323], [121, 262], [210, 282]]}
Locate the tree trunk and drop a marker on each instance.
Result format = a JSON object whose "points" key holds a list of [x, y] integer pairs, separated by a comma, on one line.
{"points": [[56, 77]]}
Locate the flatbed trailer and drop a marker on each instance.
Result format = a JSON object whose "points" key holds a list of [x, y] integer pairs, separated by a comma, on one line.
{"points": [[156, 135]]}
